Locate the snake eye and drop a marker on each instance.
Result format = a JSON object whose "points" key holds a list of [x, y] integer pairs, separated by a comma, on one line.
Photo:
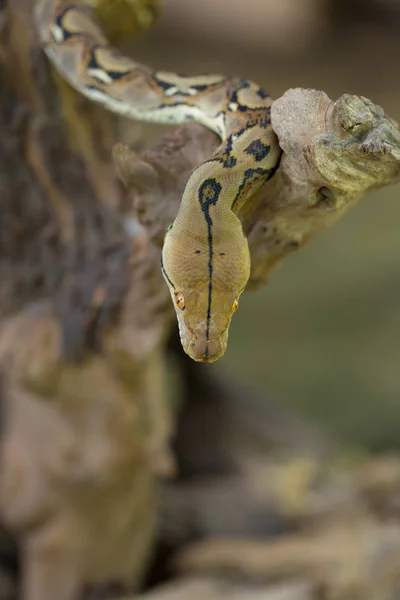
{"points": [[180, 300], [235, 305]]}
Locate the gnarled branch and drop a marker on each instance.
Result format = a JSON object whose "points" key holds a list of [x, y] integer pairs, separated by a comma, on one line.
{"points": [[334, 154]]}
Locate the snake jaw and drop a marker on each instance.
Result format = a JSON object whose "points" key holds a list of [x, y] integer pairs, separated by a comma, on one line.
{"points": [[197, 345], [207, 350], [204, 350]]}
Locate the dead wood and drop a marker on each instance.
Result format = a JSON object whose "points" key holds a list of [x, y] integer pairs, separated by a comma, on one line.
{"points": [[335, 152], [84, 424], [214, 588], [344, 543]]}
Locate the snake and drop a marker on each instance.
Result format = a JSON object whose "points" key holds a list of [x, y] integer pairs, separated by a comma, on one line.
{"points": [[205, 258]]}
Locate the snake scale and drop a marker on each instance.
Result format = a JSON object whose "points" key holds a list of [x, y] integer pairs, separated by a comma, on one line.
{"points": [[205, 257]]}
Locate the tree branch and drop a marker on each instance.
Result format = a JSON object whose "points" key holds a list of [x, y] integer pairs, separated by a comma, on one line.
{"points": [[334, 154]]}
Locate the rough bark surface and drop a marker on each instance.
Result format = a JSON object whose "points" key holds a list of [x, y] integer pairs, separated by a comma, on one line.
{"points": [[339, 536], [86, 315]]}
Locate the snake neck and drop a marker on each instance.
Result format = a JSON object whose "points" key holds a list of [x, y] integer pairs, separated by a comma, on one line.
{"points": [[219, 187]]}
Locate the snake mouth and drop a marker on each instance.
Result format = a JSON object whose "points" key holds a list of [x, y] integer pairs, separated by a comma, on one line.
{"points": [[199, 348], [207, 351]]}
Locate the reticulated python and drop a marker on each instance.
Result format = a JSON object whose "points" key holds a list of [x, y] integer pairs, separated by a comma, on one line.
{"points": [[205, 257]]}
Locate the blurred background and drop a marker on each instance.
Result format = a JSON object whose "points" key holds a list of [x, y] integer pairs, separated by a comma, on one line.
{"points": [[324, 336]]}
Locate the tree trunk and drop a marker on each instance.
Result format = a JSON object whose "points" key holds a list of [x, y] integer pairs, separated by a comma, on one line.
{"points": [[84, 419]]}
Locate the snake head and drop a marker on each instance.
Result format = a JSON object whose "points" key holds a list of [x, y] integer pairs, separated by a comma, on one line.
{"points": [[204, 331], [205, 292]]}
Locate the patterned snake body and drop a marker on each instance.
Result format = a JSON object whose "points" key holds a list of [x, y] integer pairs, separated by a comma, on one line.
{"points": [[205, 257]]}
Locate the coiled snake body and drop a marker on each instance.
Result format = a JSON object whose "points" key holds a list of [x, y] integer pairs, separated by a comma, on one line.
{"points": [[205, 257]]}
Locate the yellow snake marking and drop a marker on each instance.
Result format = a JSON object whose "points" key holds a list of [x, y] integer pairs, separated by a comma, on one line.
{"points": [[205, 256]]}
